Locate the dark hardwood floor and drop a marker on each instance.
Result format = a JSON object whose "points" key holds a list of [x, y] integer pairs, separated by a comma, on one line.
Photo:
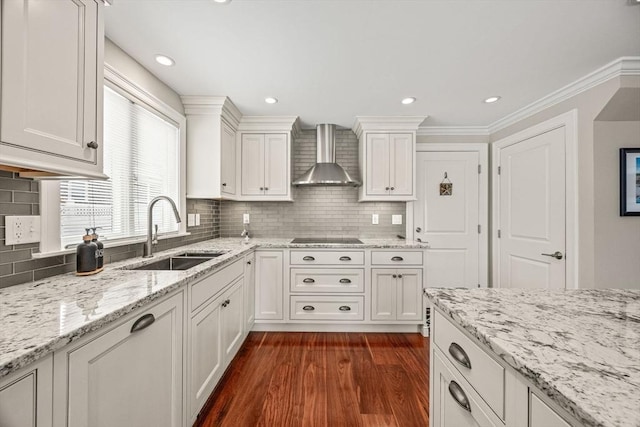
{"points": [[324, 379]]}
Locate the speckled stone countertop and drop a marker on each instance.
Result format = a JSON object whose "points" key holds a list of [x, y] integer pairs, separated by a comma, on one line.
{"points": [[40, 317], [580, 347]]}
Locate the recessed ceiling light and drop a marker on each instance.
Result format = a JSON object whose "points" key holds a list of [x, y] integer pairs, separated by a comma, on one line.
{"points": [[165, 60], [407, 101], [222, 1], [270, 100], [492, 99]]}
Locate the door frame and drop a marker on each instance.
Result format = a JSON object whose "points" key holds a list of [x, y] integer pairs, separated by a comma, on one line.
{"points": [[483, 197], [569, 121]]}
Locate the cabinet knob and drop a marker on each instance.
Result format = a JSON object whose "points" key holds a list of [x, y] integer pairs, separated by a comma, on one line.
{"points": [[143, 322], [266, 188], [394, 276], [92, 144], [308, 308], [308, 280], [399, 276], [386, 188], [226, 302], [224, 184], [261, 188], [249, 262], [392, 188], [344, 308]]}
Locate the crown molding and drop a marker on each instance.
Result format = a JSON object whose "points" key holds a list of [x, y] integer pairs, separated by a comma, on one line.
{"points": [[270, 123], [624, 66], [453, 130], [386, 123], [212, 105]]}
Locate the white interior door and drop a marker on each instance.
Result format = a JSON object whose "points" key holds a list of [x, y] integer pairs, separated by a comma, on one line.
{"points": [[449, 223], [532, 212]]}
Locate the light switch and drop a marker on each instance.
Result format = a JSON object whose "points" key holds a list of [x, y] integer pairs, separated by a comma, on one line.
{"points": [[245, 218], [396, 219], [375, 219], [22, 229]]}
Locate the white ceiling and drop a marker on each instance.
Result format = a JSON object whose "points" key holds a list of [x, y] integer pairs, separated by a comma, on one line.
{"points": [[328, 61]]}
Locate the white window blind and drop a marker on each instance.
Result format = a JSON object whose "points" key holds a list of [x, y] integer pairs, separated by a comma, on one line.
{"points": [[141, 158]]}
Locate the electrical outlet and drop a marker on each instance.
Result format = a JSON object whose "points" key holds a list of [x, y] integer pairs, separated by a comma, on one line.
{"points": [[22, 229], [396, 219], [375, 219], [245, 218], [197, 219], [191, 220]]}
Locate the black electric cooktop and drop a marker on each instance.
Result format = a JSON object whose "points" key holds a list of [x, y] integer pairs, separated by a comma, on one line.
{"points": [[327, 240]]}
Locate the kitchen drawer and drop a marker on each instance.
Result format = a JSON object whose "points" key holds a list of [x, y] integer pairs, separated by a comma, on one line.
{"points": [[337, 258], [327, 280], [314, 307], [396, 257], [485, 375], [209, 286]]}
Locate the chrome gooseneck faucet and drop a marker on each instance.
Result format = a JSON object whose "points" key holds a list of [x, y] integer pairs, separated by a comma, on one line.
{"points": [[148, 246]]}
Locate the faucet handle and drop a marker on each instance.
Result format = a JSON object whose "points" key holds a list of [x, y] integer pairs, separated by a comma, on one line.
{"points": [[155, 235]]}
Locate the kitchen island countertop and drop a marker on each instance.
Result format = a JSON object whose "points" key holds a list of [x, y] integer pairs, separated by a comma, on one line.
{"points": [[37, 318], [579, 347]]}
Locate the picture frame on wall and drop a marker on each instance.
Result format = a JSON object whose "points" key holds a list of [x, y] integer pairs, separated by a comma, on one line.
{"points": [[630, 181]]}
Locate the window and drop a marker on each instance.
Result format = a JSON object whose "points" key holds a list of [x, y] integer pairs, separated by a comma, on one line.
{"points": [[142, 156]]}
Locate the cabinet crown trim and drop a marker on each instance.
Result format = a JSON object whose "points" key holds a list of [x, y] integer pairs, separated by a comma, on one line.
{"points": [[386, 123], [212, 105], [270, 124]]}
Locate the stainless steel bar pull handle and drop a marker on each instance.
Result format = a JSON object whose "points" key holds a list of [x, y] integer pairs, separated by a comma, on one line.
{"points": [[397, 258], [459, 355], [308, 308], [308, 280], [556, 255], [143, 322], [459, 396], [345, 258], [308, 258], [344, 308], [345, 280]]}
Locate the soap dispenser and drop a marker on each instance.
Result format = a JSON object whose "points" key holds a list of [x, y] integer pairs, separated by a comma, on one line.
{"points": [[86, 255], [99, 249]]}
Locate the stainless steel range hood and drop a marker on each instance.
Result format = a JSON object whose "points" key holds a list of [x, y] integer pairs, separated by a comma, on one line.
{"points": [[326, 171]]}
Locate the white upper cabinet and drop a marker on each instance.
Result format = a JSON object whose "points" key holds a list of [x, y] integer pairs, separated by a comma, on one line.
{"points": [[211, 147], [52, 86], [264, 170], [387, 157]]}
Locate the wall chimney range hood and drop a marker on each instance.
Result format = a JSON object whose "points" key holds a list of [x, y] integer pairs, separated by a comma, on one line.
{"points": [[326, 171]]}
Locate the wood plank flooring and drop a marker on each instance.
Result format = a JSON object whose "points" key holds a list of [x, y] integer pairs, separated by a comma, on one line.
{"points": [[323, 379]]}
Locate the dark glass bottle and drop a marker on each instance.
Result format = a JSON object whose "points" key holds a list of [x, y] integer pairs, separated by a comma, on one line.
{"points": [[86, 261], [99, 249]]}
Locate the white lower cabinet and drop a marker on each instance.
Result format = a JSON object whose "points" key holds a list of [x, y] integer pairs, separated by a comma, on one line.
{"points": [[25, 396], [216, 334], [269, 285], [542, 415], [249, 291], [396, 294], [128, 375]]}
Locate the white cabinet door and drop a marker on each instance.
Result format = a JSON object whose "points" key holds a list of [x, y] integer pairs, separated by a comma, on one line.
{"points": [[52, 85], [232, 320], [454, 402], [269, 285], [129, 377], [401, 155], [383, 294], [377, 165], [409, 294], [249, 291], [396, 294], [276, 160], [252, 147], [228, 161], [25, 396], [205, 353], [542, 415]]}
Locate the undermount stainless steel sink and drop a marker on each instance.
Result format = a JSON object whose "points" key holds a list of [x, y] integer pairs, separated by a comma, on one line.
{"points": [[179, 262]]}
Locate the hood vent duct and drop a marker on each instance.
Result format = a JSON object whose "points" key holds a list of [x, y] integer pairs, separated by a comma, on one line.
{"points": [[326, 171]]}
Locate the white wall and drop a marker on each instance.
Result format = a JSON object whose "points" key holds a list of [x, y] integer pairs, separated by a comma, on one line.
{"points": [[617, 238], [133, 71]]}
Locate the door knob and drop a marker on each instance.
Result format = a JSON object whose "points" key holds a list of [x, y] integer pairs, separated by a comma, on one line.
{"points": [[556, 255]]}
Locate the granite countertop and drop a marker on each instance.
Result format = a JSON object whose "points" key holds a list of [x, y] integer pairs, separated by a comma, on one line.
{"points": [[580, 347], [40, 317]]}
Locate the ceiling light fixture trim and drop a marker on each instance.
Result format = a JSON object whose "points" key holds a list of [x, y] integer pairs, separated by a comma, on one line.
{"points": [[165, 60]]}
